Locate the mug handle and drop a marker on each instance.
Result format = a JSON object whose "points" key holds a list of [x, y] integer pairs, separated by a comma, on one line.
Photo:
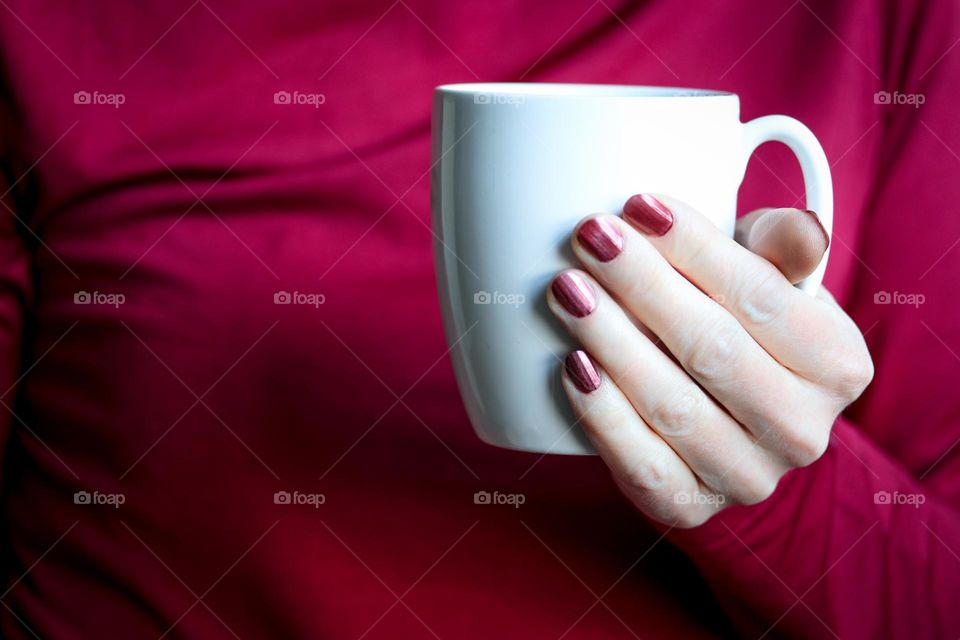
{"points": [[816, 173]]}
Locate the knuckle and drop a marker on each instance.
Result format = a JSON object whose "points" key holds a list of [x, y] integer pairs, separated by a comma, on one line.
{"points": [[852, 372], [603, 415], [692, 252], [681, 413], [756, 490], [651, 475], [715, 353], [635, 278], [690, 518], [763, 298], [806, 446], [692, 508]]}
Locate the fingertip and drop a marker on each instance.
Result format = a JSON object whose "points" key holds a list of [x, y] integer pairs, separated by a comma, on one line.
{"points": [[793, 240], [582, 372], [812, 215], [573, 292], [649, 214], [745, 223], [599, 237]]}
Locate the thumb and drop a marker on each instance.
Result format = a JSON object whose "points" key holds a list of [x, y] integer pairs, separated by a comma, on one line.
{"points": [[793, 240]]}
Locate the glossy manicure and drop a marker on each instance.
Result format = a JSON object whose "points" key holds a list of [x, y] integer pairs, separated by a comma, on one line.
{"points": [[582, 372], [600, 238], [574, 294], [648, 214]]}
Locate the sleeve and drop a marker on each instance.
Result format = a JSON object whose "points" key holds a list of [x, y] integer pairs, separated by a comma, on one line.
{"points": [[865, 543], [852, 546]]}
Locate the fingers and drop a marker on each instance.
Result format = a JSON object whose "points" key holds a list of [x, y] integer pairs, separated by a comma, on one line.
{"points": [[792, 240], [779, 317], [722, 392], [664, 396], [850, 368], [771, 402], [651, 474], [745, 223]]}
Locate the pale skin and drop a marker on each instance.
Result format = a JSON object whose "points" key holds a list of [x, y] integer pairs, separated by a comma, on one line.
{"points": [[717, 375]]}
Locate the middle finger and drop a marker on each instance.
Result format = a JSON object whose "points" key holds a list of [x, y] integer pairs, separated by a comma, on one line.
{"points": [[774, 404], [718, 449]]}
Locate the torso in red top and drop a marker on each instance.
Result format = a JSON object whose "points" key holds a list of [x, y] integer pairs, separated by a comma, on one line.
{"points": [[201, 159]]}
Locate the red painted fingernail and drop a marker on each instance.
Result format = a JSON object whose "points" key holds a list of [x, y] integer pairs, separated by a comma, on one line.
{"points": [[648, 214], [582, 371], [574, 294], [601, 239]]}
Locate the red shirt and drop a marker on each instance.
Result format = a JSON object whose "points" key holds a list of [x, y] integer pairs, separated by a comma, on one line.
{"points": [[145, 155]]}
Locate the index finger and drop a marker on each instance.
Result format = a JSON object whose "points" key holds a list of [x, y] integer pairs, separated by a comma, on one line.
{"points": [[781, 318]]}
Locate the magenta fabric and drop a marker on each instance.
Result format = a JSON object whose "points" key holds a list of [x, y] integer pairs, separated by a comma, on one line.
{"points": [[199, 198]]}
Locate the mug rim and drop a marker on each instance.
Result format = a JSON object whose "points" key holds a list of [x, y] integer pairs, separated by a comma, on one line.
{"points": [[578, 90]]}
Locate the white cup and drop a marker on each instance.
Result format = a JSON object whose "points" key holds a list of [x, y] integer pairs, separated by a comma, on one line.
{"points": [[515, 167]]}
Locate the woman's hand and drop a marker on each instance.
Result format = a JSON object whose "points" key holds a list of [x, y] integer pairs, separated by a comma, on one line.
{"points": [[709, 375]]}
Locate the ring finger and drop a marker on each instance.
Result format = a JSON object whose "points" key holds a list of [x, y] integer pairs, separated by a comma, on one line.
{"points": [[715, 446]]}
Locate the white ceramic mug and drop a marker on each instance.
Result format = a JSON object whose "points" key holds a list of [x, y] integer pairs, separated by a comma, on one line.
{"points": [[516, 166]]}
